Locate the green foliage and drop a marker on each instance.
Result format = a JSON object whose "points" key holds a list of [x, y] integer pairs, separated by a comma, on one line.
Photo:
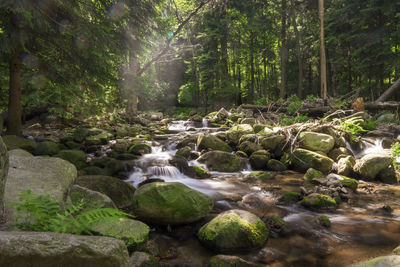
{"points": [[311, 97], [116, 117], [294, 105], [352, 126], [41, 214], [287, 120], [369, 125], [183, 113], [395, 149]]}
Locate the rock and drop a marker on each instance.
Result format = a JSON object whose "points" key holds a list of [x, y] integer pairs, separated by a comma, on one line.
{"points": [[233, 135], [259, 159], [185, 152], [313, 173], [91, 199], [303, 159], [221, 161], [94, 170], [120, 192], [76, 157], [80, 134], [98, 139], [211, 142], [72, 145], [114, 167], [316, 141], [36, 249], [265, 131], [345, 165], [187, 141], [272, 141], [221, 115], [142, 259], [370, 165], [14, 142], [121, 145], [318, 201], [170, 203], [3, 172], [344, 181], [43, 176], [290, 197], [229, 261], [275, 224], [388, 175], [250, 121], [201, 173], [396, 251], [335, 153], [258, 127], [47, 148], [261, 176], [241, 154], [253, 138], [384, 261], [249, 147], [196, 118], [324, 221], [276, 165], [134, 233], [140, 149], [19, 153], [234, 230]]}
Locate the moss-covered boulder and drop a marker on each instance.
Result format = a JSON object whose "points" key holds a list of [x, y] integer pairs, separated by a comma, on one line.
{"points": [[388, 175], [143, 259], [303, 159], [345, 181], [185, 152], [313, 173], [336, 152], [265, 131], [134, 233], [271, 142], [121, 145], [221, 115], [98, 139], [253, 138], [90, 199], [276, 165], [229, 261], [249, 147], [384, 261], [259, 159], [324, 221], [221, 161], [345, 165], [318, 201], [316, 141], [290, 197], [260, 176], [170, 203], [371, 164], [233, 135], [76, 157], [200, 173], [187, 141], [120, 192], [14, 142], [80, 134], [47, 148], [211, 142], [234, 230], [140, 149]]}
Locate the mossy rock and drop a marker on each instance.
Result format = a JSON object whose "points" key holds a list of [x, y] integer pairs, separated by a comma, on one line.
{"points": [[276, 165], [121, 145], [303, 159], [253, 138], [72, 145], [324, 221], [114, 167], [229, 261], [272, 141], [313, 173], [241, 154], [261, 176], [211, 142], [316, 141], [142, 259], [76, 157], [90, 199], [234, 230], [259, 159], [290, 197], [14, 142], [396, 251], [200, 172], [170, 203], [126, 156], [187, 141], [384, 261], [80, 134], [184, 152], [134, 233], [275, 223], [120, 192], [258, 127], [66, 138], [370, 165], [102, 162], [221, 161], [249, 147], [19, 153], [47, 148], [349, 182], [99, 139], [318, 201], [236, 132], [140, 149], [94, 170], [266, 131]]}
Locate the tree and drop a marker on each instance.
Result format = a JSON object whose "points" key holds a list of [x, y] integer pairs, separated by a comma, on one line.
{"points": [[284, 51], [324, 89]]}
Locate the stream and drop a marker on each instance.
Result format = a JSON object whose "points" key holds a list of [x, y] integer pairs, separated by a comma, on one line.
{"points": [[361, 229]]}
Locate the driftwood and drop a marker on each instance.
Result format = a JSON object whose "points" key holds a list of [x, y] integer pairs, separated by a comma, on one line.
{"points": [[389, 92]]}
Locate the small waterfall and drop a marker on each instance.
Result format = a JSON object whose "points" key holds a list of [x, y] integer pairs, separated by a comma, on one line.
{"points": [[205, 123], [367, 146], [165, 171]]}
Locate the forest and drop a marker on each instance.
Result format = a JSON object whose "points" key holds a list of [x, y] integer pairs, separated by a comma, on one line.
{"points": [[199, 133]]}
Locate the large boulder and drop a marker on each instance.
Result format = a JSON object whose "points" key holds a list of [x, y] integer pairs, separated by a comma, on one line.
{"points": [[47, 148], [384, 261], [14, 142], [233, 135], [36, 249], [221, 161], [76, 157], [259, 159], [303, 159], [170, 203], [211, 142], [272, 141], [234, 230], [90, 199], [371, 164], [345, 165], [120, 192], [134, 233], [3, 171], [249, 147], [43, 176], [316, 141], [221, 115]]}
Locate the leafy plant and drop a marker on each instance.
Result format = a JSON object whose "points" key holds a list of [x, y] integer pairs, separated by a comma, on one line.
{"points": [[395, 149], [286, 120], [294, 105], [353, 127], [41, 214], [311, 97]]}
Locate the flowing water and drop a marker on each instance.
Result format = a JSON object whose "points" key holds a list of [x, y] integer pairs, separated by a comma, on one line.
{"points": [[360, 229]]}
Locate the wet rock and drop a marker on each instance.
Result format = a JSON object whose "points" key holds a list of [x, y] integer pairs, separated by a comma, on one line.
{"points": [[76, 157], [54, 249], [90, 199], [303, 159], [80, 134], [200, 173], [211, 142], [260, 176], [3, 171], [221, 161], [259, 159], [388, 175], [276, 165], [236, 132], [120, 192], [180, 163], [271, 142], [187, 141], [335, 153], [290, 197], [234, 230], [140, 149], [132, 232], [370, 165], [318, 201], [384, 261], [184, 152], [14, 142], [324, 221], [196, 118], [316, 141], [229, 261], [313, 173], [275, 224], [345, 165], [142, 259], [47, 148], [249, 147], [170, 203], [114, 167]]}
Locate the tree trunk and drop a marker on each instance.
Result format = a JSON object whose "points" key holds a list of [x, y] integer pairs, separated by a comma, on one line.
{"points": [[299, 55], [389, 92], [250, 97], [324, 90], [284, 52], [14, 124]]}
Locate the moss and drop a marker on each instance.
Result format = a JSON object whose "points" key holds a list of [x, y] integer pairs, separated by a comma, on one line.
{"points": [[259, 159], [72, 145], [262, 176], [221, 161], [290, 197], [93, 170], [275, 223], [14, 142], [140, 149], [312, 173], [349, 182], [276, 165], [303, 159], [46, 148], [201, 173], [80, 134], [324, 221], [318, 201], [209, 141], [241, 154]]}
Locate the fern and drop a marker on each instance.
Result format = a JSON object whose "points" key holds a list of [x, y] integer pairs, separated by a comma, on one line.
{"points": [[353, 126], [41, 214]]}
